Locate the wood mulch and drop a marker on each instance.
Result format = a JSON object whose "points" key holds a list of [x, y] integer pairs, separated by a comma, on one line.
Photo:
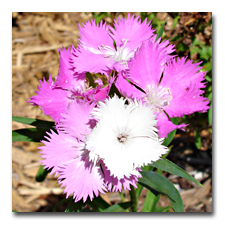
{"points": [[36, 38]]}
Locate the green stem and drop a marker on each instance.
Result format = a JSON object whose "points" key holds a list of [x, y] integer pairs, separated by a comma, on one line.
{"points": [[134, 199], [123, 199]]}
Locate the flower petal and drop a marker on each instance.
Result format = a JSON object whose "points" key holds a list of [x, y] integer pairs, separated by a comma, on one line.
{"points": [[66, 78], [147, 65], [98, 93], [165, 44], [114, 185], [127, 89], [136, 123], [53, 102], [133, 30], [93, 35], [82, 179], [89, 57], [185, 83], [165, 125], [83, 60], [60, 149], [76, 121]]}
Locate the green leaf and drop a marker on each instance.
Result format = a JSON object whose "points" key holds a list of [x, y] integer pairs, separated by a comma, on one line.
{"points": [[193, 50], [98, 204], [172, 168], [134, 199], [121, 207], [155, 181], [74, 207], [207, 67], [209, 51], [162, 209], [208, 78], [210, 97], [210, 115], [143, 15], [170, 136], [175, 21], [160, 33], [203, 53], [198, 140], [176, 38], [150, 202], [34, 122], [41, 174], [196, 42], [139, 188], [29, 134], [181, 47], [61, 202], [99, 17], [152, 16]]}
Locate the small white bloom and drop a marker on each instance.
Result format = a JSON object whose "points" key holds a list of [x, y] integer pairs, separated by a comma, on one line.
{"points": [[125, 136]]}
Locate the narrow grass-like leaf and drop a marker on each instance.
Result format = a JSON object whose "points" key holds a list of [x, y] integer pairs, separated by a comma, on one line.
{"points": [[155, 202], [29, 134], [175, 20], [170, 167], [139, 190], [210, 115], [121, 207], [160, 33], [34, 122], [150, 202], [198, 140], [153, 180], [134, 199]]}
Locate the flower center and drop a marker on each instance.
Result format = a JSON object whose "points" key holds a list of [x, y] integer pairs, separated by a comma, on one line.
{"points": [[122, 54], [122, 138], [159, 97]]}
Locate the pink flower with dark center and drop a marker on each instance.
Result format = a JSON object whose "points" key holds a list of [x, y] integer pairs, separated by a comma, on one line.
{"points": [[172, 87]]}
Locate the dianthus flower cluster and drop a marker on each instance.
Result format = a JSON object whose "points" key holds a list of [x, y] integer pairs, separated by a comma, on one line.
{"points": [[101, 142]]}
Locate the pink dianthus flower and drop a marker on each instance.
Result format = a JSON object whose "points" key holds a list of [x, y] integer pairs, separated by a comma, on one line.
{"points": [[96, 52], [172, 87], [54, 97]]}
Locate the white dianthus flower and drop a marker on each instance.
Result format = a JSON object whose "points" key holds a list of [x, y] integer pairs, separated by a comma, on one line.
{"points": [[125, 136]]}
